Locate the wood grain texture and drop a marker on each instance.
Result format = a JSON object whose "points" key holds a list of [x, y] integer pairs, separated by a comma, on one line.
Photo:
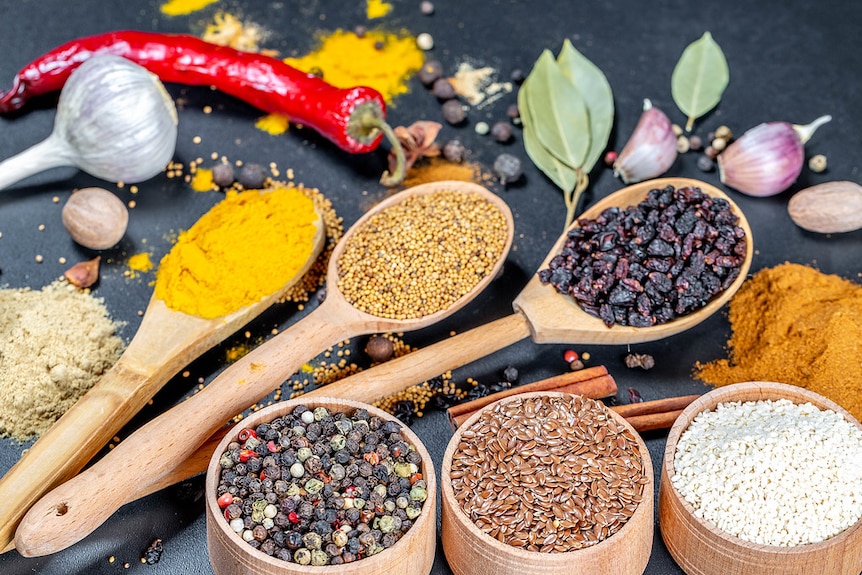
{"points": [[469, 551], [75, 508], [702, 549], [413, 554], [166, 341]]}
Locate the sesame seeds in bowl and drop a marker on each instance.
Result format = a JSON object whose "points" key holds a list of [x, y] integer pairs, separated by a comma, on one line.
{"points": [[547, 483], [763, 477]]}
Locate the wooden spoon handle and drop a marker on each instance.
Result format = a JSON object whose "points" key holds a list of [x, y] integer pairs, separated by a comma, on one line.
{"points": [[74, 509], [375, 383]]}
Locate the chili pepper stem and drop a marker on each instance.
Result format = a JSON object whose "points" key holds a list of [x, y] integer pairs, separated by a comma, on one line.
{"points": [[371, 120]]}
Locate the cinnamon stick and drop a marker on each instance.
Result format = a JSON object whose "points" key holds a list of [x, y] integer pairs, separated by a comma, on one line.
{"points": [[663, 405], [592, 382]]}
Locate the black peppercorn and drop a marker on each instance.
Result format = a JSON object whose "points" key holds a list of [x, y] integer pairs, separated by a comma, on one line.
{"points": [[430, 72], [454, 151], [517, 76], [252, 176], [502, 131], [443, 89], [453, 112], [507, 168], [223, 175]]}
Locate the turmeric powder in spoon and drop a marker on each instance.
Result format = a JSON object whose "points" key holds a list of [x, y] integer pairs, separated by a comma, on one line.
{"points": [[243, 249]]}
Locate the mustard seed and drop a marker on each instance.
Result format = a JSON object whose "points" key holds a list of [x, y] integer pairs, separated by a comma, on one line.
{"points": [[420, 256]]}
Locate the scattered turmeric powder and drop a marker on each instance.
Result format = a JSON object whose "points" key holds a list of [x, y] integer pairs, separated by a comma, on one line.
{"points": [[438, 169], [377, 9], [381, 60], [245, 248], [183, 7], [794, 324]]}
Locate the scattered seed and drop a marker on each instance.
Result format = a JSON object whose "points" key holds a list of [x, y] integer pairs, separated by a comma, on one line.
{"points": [[442, 89], [705, 163], [427, 8], [502, 131], [817, 164], [454, 151], [430, 72], [508, 169], [482, 128], [425, 41]]}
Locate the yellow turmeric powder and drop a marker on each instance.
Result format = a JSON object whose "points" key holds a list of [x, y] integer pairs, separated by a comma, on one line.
{"points": [[380, 60], [245, 248], [794, 324]]}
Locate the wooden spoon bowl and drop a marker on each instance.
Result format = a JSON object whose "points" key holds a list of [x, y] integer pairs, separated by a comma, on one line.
{"points": [[700, 548], [471, 551], [413, 554]]}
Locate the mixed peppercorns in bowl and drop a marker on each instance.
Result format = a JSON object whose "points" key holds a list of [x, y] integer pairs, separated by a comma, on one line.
{"points": [[547, 482], [763, 477], [321, 485]]}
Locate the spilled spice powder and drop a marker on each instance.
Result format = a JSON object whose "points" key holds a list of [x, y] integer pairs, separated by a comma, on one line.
{"points": [[438, 169], [794, 324], [381, 60], [55, 343], [183, 7]]}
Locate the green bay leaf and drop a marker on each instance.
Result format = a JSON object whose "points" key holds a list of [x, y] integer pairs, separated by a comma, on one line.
{"points": [[596, 92], [699, 78], [559, 113], [563, 176]]}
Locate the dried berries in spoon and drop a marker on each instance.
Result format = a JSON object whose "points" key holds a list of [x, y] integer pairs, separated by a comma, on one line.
{"points": [[649, 263]]}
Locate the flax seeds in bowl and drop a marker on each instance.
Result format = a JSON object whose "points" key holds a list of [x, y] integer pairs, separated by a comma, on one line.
{"points": [[547, 483], [762, 477], [321, 486]]}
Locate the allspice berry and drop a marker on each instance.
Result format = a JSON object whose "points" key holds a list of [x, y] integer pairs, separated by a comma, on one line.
{"points": [[95, 218], [379, 348]]}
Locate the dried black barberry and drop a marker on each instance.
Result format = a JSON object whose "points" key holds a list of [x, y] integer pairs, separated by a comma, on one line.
{"points": [[154, 552], [648, 263]]}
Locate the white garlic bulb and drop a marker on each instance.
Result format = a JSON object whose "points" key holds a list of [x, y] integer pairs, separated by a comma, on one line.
{"points": [[115, 121]]}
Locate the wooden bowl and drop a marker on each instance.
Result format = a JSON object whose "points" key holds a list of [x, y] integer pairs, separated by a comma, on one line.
{"points": [[413, 554], [700, 548], [470, 551]]}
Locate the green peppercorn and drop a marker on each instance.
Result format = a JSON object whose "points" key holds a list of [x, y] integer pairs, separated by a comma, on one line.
{"points": [[337, 442], [313, 486], [226, 461], [402, 469], [418, 494], [358, 502], [386, 524], [413, 512], [303, 453], [320, 413], [312, 540], [319, 557], [402, 502], [339, 538], [302, 556]]}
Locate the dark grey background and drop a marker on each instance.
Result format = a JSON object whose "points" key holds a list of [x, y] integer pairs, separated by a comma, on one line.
{"points": [[790, 61]]}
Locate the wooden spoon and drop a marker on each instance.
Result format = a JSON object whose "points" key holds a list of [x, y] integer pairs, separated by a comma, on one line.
{"points": [[544, 326], [77, 507], [166, 341], [541, 314]]}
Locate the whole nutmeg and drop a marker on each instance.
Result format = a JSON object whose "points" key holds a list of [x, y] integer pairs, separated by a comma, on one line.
{"points": [[828, 208], [95, 218]]}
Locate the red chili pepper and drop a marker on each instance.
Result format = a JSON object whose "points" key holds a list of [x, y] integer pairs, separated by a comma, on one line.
{"points": [[352, 118]]}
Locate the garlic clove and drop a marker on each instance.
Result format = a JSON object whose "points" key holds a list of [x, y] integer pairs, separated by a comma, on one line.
{"points": [[651, 149], [766, 159], [118, 118]]}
